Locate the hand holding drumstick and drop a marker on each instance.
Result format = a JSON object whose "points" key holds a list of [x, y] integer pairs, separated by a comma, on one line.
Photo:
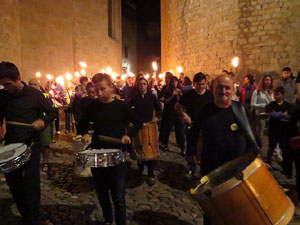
{"points": [[37, 125]]}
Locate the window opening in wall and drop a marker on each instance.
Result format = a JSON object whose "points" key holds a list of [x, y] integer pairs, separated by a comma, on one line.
{"points": [[111, 32]]}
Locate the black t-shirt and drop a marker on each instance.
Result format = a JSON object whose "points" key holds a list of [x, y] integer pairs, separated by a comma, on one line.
{"points": [[221, 141], [78, 106], [144, 106], [169, 107], [25, 107], [277, 122], [193, 101], [110, 119]]}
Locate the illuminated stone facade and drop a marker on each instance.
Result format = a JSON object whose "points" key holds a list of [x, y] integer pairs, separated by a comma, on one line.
{"points": [[204, 35], [54, 36]]}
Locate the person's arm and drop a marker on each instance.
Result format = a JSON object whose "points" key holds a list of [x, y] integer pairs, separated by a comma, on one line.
{"points": [[132, 117], [49, 112], [194, 133], [296, 91], [167, 100], [157, 107], [179, 109], [254, 101], [83, 123]]}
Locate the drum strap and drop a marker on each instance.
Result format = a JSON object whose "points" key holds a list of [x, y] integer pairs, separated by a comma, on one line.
{"points": [[241, 116]]}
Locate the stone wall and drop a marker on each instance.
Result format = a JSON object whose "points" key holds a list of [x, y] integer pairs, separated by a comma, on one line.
{"points": [[54, 36], [205, 35]]}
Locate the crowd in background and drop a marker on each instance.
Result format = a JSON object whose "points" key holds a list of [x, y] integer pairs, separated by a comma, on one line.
{"points": [[273, 109]]}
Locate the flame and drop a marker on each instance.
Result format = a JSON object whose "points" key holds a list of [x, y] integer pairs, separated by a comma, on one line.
{"points": [[113, 75], [179, 69], [68, 76], [235, 61], [147, 76], [49, 77], [82, 71], [60, 79], [109, 70], [83, 64], [77, 74], [38, 74], [154, 66]]}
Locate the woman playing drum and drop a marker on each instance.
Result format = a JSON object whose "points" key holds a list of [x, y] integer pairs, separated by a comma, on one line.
{"points": [[148, 107]]}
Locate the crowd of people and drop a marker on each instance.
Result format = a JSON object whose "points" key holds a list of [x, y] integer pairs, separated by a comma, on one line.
{"points": [[214, 122]]}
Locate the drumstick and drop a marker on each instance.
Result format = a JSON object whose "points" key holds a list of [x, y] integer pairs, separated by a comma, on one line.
{"points": [[19, 124], [109, 139]]}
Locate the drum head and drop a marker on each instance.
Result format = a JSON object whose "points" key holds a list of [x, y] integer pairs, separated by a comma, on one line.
{"points": [[99, 151], [228, 170], [11, 151]]}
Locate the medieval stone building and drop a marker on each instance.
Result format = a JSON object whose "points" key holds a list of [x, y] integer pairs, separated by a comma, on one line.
{"points": [[54, 36], [204, 35]]}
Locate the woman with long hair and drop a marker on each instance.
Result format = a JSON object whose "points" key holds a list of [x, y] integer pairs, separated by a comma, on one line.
{"points": [[247, 90], [146, 105], [261, 97], [170, 117]]}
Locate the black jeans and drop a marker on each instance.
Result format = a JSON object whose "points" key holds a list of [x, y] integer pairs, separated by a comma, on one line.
{"points": [[150, 164], [67, 120], [24, 185], [111, 179], [166, 127], [297, 163], [57, 120]]}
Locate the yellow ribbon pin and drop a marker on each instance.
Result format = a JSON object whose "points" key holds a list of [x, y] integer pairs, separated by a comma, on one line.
{"points": [[234, 127]]}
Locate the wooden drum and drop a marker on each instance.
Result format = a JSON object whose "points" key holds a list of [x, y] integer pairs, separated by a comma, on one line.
{"points": [[145, 143], [243, 192]]}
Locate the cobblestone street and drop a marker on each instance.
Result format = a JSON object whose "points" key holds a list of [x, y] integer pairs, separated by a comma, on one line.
{"points": [[68, 199]]}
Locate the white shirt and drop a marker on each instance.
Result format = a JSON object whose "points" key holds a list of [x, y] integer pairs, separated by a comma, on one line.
{"points": [[260, 99]]}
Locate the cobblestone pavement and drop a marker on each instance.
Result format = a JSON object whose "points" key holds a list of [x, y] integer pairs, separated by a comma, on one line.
{"points": [[68, 199]]}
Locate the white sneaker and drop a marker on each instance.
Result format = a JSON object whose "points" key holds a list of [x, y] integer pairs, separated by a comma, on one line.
{"points": [[278, 158], [77, 138]]}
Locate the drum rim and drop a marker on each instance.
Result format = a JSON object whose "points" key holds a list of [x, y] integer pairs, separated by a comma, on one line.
{"points": [[24, 157], [286, 218], [232, 182], [11, 158]]}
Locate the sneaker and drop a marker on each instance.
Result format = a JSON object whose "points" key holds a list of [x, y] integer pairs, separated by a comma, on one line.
{"points": [[150, 180], [45, 167], [277, 158], [189, 176], [77, 138]]}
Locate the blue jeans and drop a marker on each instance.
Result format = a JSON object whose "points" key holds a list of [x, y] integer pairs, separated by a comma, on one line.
{"points": [[111, 179]]}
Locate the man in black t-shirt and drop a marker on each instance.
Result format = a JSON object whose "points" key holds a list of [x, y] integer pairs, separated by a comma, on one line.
{"points": [[224, 136], [21, 103], [280, 111], [195, 98], [192, 101], [110, 118]]}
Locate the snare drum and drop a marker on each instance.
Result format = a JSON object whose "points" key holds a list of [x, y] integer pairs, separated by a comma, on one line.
{"points": [[243, 192], [145, 143], [100, 158], [13, 156]]}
